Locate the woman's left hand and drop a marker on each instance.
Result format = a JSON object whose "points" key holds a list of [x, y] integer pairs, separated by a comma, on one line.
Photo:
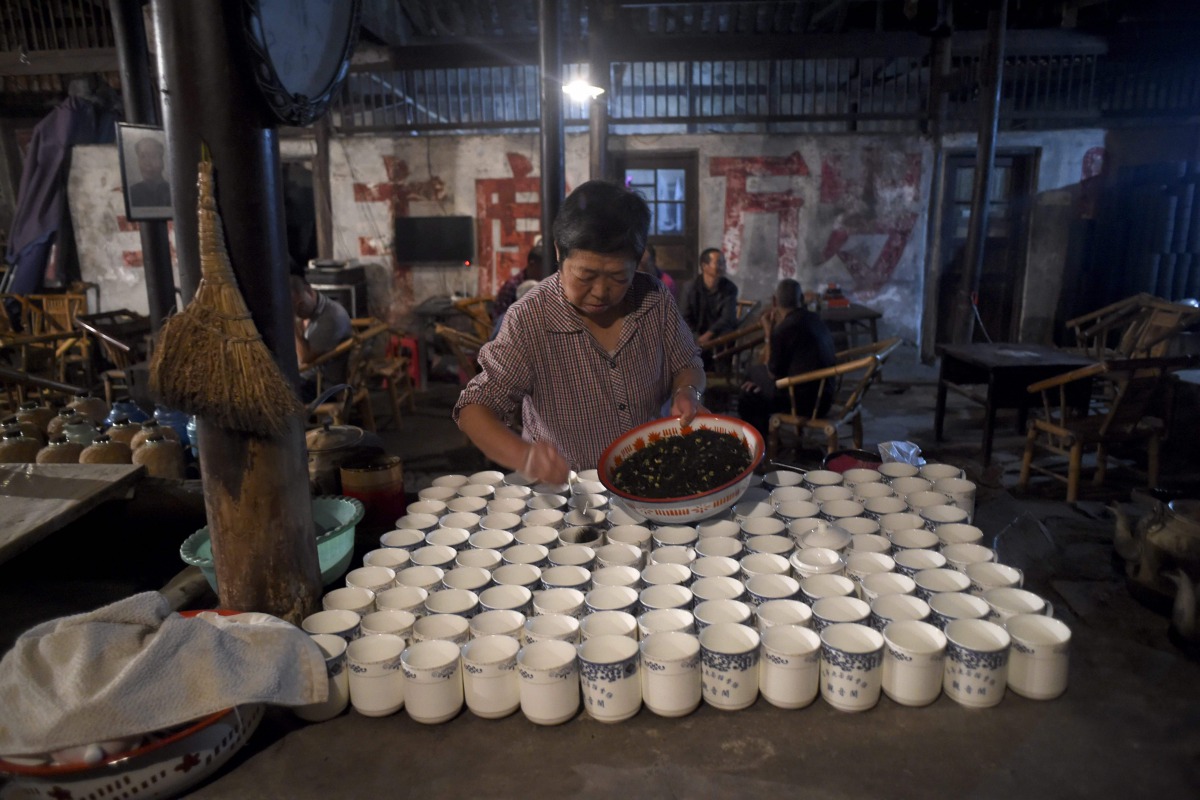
{"points": [[686, 405]]}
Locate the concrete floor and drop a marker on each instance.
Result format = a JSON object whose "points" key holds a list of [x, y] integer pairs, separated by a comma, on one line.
{"points": [[1129, 723]]}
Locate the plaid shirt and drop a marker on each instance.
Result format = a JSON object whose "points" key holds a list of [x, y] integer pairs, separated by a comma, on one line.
{"points": [[570, 391]]}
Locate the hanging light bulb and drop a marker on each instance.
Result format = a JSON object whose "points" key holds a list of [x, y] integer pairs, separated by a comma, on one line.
{"points": [[580, 90]]}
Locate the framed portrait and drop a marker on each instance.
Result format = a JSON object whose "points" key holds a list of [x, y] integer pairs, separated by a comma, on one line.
{"points": [[147, 188]]}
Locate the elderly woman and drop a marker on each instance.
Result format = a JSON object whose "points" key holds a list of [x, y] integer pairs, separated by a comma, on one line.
{"points": [[594, 350]]}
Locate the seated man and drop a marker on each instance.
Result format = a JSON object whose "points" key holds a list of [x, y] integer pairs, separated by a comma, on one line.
{"points": [[709, 303], [507, 295], [321, 324], [797, 341]]}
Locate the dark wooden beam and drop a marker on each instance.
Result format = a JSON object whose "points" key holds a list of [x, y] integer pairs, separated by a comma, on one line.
{"points": [[58, 62]]}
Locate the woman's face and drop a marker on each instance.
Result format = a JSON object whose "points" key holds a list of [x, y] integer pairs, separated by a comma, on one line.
{"points": [[596, 283]]}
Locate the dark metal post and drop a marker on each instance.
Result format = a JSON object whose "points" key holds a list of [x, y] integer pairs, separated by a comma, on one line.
{"points": [[255, 490], [550, 66], [985, 158], [141, 108], [598, 71], [322, 193]]}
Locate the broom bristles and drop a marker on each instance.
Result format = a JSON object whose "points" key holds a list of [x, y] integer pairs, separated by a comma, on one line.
{"points": [[210, 360]]}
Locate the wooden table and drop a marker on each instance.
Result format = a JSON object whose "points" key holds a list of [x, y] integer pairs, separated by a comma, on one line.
{"points": [[1006, 370], [851, 320], [38, 499]]}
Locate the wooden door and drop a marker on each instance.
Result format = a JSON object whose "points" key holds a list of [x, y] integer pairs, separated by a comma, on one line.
{"points": [[668, 182]]}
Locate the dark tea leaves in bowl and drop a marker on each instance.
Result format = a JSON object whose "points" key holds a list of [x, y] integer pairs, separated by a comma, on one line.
{"points": [[679, 466]]}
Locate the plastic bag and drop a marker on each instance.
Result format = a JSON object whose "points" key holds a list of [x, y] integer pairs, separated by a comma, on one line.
{"points": [[904, 452]]}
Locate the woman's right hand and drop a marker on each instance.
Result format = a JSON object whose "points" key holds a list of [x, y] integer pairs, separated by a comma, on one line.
{"points": [[544, 463]]}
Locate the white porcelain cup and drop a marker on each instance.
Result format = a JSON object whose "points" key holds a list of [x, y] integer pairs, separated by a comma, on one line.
{"points": [[783, 477], [572, 555], [453, 481], [816, 478], [516, 479], [782, 612], [919, 501], [779, 545], [851, 666], [835, 510], [397, 623], [889, 608], [655, 574], [860, 564], [549, 681], [789, 494], [714, 566], [890, 470], [789, 670], [638, 536], [544, 518], [376, 677], [670, 673], [442, 494], [340, 622], [882, 583], [711, 612], [913, 662], [472, 579], [499, 622], [910, 562], [476, 490], [991, 575], [609, 676], [762, 588], [868, 491], [403, 598], [589, 535], [567, 576], [466, 505], [913, 539], [665, 620], [856, 526], [762, 526], [490, 540], [391, 557], [585, 518], [487, 477], [506, 597], [937, 472], [754, 508], [587, 501], [500, 521], [877, 508], [815, 587], [418, 522], [976, 671], [437, 555], [959, 533], [559, 601], [611, 598], [444, 627], [961, 493], [457, 539], [544, 535], [617, 554], [1008, 602], [903, 521], [550, 627], [937, 516], [961, 556], [871, 543], [547, 499], [931, 581], [349, 598], [811, 561], [854, 477], [1040, 656], [510, 500], [534, 554], [403, 539], [526, 575], [798, 509], [665, 595], [673, 554], [461, 602], [766, 564], [729, 654], [720, 528], [721, 546], [433, 681], [424, 577], [945, 607], [609, 623], [717, 588], [830, 536], [903, 487], [668, 535], [825, 494], [491, 687], [333, 648], [617, 576], [833, 610]]}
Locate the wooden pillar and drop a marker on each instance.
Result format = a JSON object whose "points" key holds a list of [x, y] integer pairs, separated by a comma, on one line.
{"points": [[598, 71], [550, 66], [255, 490], [322, 193], [141, 108]]}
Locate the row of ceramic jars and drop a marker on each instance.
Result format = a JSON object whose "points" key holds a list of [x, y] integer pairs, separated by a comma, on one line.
{"points": [[150, 444]]}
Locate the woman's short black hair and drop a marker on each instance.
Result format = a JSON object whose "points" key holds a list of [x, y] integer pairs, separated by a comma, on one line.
{"points": [[602, 217]]}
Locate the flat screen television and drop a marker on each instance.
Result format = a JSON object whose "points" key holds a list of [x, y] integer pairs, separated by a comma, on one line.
{"points": [[435, 241]]}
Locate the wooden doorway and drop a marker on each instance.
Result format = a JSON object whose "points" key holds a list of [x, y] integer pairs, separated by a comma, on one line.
{"points": [[668, 181], [1002, 282]]}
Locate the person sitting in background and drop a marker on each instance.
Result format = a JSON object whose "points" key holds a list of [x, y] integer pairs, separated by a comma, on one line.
{"points": [[321, 324], [522, 290], [797, 341], [649, 265], [709, 303], [508, 292]]}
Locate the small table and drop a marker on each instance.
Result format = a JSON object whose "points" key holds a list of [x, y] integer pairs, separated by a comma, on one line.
{"points": [[38, 499], [851, 320], [1007, 370]]}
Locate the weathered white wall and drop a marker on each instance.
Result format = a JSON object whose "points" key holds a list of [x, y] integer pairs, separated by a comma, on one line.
{"points": [[110, 247]]}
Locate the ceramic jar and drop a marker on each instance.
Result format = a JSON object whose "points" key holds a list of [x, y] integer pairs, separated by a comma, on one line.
{"points": [[106, 451], [17, 448], [59, 421], [28, 428], [150, 428], [93, 408], [38, 414], [122, 430], [162, 458], [60, 450]]}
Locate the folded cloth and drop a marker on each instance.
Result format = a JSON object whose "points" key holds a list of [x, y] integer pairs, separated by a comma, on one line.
{"points": [[135, 667]]}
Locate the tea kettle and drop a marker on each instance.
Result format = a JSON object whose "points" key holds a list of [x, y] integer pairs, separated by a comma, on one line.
{"points": [[330, 446]]}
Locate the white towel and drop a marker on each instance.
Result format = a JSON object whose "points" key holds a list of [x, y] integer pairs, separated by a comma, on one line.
{"points": [[135, 667]]}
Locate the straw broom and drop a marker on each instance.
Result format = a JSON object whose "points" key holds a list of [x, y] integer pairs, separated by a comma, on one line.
{"points": [[210, 359]]}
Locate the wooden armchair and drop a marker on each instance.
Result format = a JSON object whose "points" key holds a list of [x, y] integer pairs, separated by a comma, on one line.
{"points": [[359, 351], [464, 346], [1137, 385], [123, 337], [388, 368], [57, 313], [1140, 326], [479, 309], [852, 377]]}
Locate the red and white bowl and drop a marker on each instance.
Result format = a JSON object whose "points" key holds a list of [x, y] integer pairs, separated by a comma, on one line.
{"points": [[692, 507]]}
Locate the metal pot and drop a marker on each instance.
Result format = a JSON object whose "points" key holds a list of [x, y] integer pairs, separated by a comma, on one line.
{"points": [[330, 446]]}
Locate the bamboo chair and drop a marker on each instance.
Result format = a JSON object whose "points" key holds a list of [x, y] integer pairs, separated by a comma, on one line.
{"points": [[358, 351], [58, 313], [479, 310], [123, 338], [464, 346], [1137, 388], [1142, 326], [745, 308], [857, 369], [388, 369]]}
